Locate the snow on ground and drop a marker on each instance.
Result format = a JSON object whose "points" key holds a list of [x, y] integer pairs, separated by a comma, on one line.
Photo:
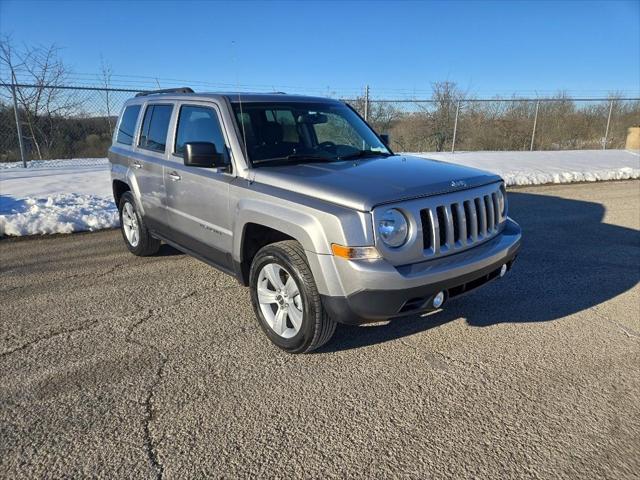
{"points": [[63, 196], [60, 213], [537, 168], [56, 196]]}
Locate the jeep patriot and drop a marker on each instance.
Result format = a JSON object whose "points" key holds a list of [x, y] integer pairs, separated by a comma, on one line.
{"points": [[305, 204]]}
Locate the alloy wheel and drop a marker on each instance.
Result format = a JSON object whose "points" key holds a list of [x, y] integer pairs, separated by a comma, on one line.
{"points": [[280, 300]]}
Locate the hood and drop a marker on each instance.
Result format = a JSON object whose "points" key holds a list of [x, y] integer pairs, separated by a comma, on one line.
{"points": [[365, 183]]}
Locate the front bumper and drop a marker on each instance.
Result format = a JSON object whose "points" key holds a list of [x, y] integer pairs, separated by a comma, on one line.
{"points": [[410, 289]]}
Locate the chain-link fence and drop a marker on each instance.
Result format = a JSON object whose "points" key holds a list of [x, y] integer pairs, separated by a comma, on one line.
{"points": [[58, 122], [63, 122], [514, 124]]}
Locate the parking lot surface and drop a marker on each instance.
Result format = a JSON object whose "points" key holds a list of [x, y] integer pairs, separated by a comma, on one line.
{"points": [[117, 366]]}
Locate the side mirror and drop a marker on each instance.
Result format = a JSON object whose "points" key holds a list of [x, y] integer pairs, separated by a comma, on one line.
{"points": [[385, 139], [203, 154]]}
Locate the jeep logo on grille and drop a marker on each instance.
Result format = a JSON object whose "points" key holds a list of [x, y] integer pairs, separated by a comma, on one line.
{"points": [[458, 183]]}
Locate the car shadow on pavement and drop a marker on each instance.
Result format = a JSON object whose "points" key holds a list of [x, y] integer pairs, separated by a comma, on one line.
{"points": [[168, 251], [569, 261]]}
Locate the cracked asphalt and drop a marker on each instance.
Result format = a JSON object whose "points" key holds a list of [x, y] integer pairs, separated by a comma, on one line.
{"points": [[117, 366]]}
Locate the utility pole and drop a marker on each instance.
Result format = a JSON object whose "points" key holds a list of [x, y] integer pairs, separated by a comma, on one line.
{"points": [[455, 128], [606, 132], [366, 103], [23, 154], [535, 122]]}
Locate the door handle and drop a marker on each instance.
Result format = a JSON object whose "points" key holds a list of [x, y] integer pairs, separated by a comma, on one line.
{"points": [[136, 164], [174, 176]]}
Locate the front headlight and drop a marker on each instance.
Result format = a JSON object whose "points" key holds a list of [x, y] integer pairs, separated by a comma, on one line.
{"points": [[502, 201], [393, 228]]}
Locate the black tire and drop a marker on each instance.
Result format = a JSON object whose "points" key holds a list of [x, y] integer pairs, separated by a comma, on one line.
{"points": [[317, 328], [146, 244]]}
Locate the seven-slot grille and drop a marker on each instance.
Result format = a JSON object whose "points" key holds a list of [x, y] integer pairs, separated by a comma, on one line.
{"points": [[462, 224]]}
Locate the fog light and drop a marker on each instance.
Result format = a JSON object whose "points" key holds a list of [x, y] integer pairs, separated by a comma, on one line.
{"points": [[438, 300], [503, 270]]}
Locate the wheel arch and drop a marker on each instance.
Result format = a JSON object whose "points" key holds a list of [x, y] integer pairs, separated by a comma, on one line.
{"points": [[119, 188], [126, 182], [254, 237], [277, 223]]}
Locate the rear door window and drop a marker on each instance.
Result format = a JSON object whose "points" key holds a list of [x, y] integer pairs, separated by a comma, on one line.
{"points": [[126, 129], [155, 127]]}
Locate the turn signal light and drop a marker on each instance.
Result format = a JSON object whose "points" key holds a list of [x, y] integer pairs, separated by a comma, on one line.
{"points": [[354, 253]]}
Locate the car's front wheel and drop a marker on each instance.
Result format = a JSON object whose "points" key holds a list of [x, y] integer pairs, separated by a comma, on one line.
{"points": [[286, 300], [134, 231]]}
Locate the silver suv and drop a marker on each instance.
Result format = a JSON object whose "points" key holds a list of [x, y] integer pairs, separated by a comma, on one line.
{"points": [[303, 202]]}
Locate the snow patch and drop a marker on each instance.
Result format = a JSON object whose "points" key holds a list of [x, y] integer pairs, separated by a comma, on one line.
{"points": [[61, 213], [539, 168], [56, 196]]}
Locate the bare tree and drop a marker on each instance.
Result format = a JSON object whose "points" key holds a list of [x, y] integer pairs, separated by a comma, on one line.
{"points": [[42, 102], [445, 97], [429, 127], [381, 115], [106, 73]]}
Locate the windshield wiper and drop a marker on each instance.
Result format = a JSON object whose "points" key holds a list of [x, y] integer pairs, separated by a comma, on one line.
{"points": [[364, 154], [295, 157], [306, 156]]}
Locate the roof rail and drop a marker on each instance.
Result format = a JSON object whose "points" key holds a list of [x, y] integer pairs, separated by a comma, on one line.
{"points": [[166, 90]]}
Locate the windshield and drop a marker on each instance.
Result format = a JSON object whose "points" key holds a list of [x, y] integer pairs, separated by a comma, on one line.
{"points": [[292, 132]]}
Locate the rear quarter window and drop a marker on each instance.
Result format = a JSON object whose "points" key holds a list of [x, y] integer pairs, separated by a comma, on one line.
{"points": [[127, 127]]}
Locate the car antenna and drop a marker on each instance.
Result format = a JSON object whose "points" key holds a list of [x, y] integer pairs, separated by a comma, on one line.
{"points": [[244, 133]]}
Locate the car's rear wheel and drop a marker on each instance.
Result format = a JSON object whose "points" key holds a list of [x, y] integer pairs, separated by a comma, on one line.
{"points": [[286, 300], [134, 231]]}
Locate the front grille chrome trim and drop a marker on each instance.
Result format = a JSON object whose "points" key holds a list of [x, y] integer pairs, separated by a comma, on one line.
{"points": [[477, 219]]}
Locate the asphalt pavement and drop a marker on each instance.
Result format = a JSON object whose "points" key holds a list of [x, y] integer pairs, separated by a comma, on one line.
{"points": [[117, 366]]}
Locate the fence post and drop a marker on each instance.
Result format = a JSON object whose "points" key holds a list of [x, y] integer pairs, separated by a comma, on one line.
{"points": [[606, 132], [23, 154], [455, 128], [366, 103], [535, 122]]}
